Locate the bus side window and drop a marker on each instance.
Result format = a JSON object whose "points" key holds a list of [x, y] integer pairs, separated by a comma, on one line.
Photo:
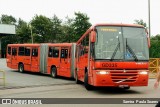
{"points": [[27, 52], [50, 52], [21, 51], [64, 53], [9, 50], [35, 52], [14, 51], [56, 52]]}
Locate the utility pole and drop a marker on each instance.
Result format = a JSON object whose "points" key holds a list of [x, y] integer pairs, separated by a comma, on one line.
{"points": [[0, 48], [149, 23], [31, 34], [30, 26]]}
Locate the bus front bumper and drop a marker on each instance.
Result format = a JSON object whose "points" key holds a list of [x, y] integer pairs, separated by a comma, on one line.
{"points": [[118, 78]]}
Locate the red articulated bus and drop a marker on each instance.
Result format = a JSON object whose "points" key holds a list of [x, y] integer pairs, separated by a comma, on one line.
{"points": [[54, 59], [113, 55]]}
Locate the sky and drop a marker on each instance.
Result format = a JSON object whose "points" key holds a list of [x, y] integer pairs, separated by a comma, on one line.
{"points": [[99, 11]]}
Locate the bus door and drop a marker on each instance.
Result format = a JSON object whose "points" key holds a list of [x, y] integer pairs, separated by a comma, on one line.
{"points": [[14, 58], [27, 58], [80, 63], [65, 62], [53, 58], [34, 60]]}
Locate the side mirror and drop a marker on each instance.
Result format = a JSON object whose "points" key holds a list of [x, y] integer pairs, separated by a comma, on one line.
{"points": [[93, 36]]}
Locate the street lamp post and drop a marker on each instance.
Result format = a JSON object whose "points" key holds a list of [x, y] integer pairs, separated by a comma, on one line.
{"points": [[31, 32], [149, 23]]}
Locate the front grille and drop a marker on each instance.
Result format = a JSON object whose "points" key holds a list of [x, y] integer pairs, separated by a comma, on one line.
{"points": [[123, 76]]}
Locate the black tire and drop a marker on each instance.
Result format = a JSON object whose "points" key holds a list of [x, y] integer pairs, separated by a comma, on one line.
{"points": [[21, 68], [127, 88], [76, 79], [54, 72], [87, 86]]}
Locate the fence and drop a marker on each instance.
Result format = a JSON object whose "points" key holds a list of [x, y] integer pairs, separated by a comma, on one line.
{"points": [[2, 76], [154, 64]]}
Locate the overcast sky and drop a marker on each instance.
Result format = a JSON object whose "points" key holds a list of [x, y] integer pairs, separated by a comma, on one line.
{"points": [[99, 11]]}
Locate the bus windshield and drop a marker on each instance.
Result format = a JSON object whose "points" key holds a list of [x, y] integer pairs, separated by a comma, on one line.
{"points": [[121, 43]]}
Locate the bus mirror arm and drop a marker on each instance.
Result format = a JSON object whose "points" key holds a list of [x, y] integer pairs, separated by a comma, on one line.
{"points": [[93, 36], [148, 41], [148, 37]]}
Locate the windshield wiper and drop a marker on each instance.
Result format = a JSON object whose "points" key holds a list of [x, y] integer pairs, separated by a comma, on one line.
{"points": [[116, 49], [131, 51]]}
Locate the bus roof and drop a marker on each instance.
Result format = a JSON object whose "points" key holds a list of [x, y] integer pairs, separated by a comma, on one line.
{"points": [[108, 24], [26, 44], [60, 44], [49, 44], [118, 24]]}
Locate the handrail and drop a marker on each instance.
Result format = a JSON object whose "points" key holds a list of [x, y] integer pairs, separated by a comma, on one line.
{"points": [[3, 77], [154, 65]]}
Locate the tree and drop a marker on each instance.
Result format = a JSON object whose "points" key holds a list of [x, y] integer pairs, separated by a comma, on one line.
{"points": [[81, 24], [155, 45], [56, 34], [23, 32], [141, 22], [42, 28], [68, 30], [5, 19]]}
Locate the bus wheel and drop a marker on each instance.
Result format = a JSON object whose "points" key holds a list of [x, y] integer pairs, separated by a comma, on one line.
{"points": [[87, 86], [54, 72], [76, 79], [21, 68]]}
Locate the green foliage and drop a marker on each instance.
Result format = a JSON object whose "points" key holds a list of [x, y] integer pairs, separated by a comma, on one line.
{"points": [[56, 31], [155, 47], [141, 22], [5, 19], [53, 29], [67, 30], [42, 27], [81, 24], [23, 32]]}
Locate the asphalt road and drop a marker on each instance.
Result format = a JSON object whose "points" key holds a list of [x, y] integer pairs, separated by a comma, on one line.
{"points": [[31, 85], [15, 79]]}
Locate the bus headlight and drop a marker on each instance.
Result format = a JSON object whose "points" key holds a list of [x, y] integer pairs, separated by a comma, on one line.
{"points": [[143, 72], [102, 72]]}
